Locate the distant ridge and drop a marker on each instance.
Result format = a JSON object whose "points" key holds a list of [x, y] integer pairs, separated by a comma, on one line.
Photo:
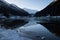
{"points": [[30, 11]]}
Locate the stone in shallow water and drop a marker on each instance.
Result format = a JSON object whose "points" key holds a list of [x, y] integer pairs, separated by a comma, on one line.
{"points": [[43, 38]]}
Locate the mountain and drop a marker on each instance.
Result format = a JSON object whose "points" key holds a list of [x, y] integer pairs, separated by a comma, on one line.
{"points": [[30, 11], [12, 9], [7, 10], [52, 9]]}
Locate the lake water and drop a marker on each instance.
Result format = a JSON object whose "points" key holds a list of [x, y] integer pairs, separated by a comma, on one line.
{"points": [[29, 31]]}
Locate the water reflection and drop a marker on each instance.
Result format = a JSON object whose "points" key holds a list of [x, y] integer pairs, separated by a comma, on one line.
{"points": [[33, 31]]}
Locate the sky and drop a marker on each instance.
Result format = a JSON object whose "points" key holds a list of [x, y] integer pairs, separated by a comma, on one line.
{"points": [[31, 4]]}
